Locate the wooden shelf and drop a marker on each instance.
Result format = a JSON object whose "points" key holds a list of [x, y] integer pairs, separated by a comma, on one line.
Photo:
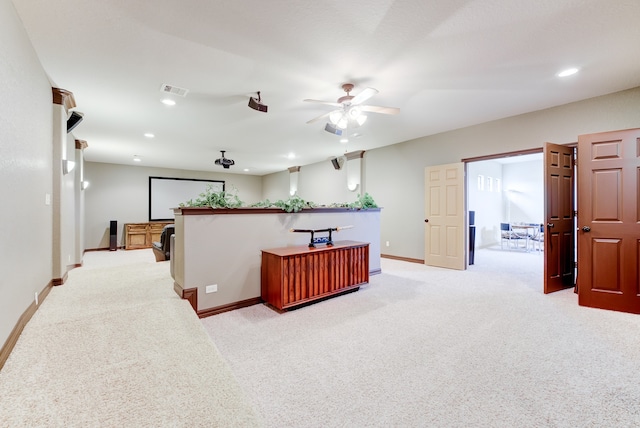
{"points": [[142, 235]]}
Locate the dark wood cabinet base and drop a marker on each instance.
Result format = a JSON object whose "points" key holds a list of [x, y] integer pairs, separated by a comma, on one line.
{"points": [[297, 276]]}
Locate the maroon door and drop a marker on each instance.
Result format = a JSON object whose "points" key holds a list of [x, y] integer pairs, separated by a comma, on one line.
{"points": [[609, 220], [559, 218]]}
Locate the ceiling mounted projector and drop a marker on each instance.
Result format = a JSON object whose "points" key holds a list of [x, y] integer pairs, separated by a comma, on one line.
{"points": [[256, 104], [226, 163]]}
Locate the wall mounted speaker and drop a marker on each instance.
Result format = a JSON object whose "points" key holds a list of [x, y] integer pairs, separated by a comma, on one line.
{"points": [[74, 120], [337, 162]]}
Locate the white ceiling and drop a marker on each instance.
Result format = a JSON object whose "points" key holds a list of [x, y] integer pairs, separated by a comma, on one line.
{"points": [[445, 64]]}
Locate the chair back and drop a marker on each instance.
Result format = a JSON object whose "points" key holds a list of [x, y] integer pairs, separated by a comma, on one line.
{"points": [[165, 237]]}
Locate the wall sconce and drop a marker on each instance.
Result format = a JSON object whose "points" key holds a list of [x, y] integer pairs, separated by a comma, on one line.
{"points": [[354, 169], [293, 180], [84, 185], [67, 166]]}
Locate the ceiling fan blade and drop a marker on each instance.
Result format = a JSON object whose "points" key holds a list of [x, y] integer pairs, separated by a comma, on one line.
{"points": [[329, 103], [322, 116], [379, 109], [363, 96]]}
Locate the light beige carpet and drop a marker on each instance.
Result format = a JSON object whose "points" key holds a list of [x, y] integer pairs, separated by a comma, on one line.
{"points": [[115, 346], [428, 347]]}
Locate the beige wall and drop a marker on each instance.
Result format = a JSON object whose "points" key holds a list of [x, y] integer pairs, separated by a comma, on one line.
{"points": [[121, 193], [25, 172]]}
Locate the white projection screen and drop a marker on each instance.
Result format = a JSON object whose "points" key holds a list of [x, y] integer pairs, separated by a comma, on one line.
{"points": [[167, 193]]}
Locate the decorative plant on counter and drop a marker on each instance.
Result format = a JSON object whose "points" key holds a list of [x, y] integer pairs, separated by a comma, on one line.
{"points": [[216, 199], [292, 205], [362, 203], [224, 199]]}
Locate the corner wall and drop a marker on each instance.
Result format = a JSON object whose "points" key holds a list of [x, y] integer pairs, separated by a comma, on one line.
{"points": [[26, 115]]}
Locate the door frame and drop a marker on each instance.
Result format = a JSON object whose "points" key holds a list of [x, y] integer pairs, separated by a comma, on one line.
{"points": [[466, 162]]}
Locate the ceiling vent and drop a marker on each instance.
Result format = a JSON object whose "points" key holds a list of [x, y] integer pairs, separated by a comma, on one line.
{"points": [[174, 90]]}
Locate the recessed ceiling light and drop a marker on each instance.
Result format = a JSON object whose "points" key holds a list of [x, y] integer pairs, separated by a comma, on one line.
{"points": [[291, 156], [149, 135], [246, 170], [344, 140], [568, 72], [136, 158], [168, 102]]}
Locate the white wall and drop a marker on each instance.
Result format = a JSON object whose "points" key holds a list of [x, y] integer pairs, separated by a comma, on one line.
{"points": [[488, 205], [323, 184], [25, 172], [121, 193], [524, 192]]}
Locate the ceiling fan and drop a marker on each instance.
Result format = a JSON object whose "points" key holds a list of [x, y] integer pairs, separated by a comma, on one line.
{"points": [[350, 111]]}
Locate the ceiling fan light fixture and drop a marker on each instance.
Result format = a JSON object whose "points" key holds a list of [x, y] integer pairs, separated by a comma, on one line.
{"points": [[354, 113], [343, 123], [335, 116], [361, 119]]}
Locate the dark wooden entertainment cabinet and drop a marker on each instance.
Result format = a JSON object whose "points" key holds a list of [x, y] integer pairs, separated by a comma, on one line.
{"points": [[297, 275]]}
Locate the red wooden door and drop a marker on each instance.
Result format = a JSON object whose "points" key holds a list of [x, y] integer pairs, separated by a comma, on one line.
{"points": [[559, 218], [609, 220]]}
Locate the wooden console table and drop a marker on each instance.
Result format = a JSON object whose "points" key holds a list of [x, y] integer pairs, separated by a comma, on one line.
{"points": [[142, 235], [292, 276]]}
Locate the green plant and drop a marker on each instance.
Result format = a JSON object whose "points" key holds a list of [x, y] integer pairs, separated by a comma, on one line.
{"points": [[294, 204], [215, 199], [366, 201]]}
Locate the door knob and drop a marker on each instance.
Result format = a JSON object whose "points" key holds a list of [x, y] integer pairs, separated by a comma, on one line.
{"points": [[586, 229], [550, 225], [426, 220]]}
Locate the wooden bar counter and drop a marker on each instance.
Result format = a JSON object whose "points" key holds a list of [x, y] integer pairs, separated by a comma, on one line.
{"points": [[297, 275]]}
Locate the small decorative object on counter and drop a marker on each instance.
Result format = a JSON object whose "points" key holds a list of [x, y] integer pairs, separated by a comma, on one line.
{"points": [[321, 239]]}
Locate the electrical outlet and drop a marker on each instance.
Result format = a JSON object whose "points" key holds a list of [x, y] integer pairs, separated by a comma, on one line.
{"points": [[387, 243], [211, 288]]}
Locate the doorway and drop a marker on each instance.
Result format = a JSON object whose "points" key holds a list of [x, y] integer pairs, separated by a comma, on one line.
{"points": [[505, 189]]}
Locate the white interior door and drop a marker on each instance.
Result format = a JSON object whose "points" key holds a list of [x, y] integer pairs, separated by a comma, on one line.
{"points": [[445, 235]]}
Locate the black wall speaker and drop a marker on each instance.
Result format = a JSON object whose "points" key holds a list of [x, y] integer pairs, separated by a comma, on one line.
{"points": [[113, 235], [74, 120], [336, 162]]}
